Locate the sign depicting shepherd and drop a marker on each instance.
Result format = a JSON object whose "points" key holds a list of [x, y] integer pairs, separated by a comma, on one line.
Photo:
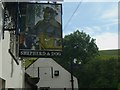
{"points": [[48, 30]]}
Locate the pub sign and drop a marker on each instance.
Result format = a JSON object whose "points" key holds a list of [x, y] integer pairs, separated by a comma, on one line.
{"points": [[40, 30]]}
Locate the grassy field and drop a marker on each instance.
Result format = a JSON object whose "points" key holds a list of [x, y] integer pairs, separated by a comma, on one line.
{"points": [[29, 61], [105, 54]]}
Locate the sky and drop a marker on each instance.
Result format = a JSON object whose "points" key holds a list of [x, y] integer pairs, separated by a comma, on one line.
{"points": [[98, 19]]}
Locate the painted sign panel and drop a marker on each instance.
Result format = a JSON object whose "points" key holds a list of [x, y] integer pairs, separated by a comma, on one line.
{"points": [[40, 30]]}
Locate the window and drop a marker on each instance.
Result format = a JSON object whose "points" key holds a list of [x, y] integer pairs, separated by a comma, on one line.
{"points": [[56, 73]]}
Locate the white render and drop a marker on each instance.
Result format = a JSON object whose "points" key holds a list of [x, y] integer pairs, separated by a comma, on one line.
{"points": [[0, 40], [45, 73], [10, 72]]}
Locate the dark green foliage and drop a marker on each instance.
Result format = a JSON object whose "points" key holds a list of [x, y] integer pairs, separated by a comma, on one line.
{"points": [[79, 45], [100, 73], [103, 73], [98, 69]]}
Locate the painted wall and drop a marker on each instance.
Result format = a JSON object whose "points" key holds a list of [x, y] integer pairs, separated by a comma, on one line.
{"points": [[12, 73], [0, 41], [47, 78]]}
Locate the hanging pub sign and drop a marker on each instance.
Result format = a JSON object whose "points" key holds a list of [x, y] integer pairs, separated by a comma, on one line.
{"points": [[40, 30]]}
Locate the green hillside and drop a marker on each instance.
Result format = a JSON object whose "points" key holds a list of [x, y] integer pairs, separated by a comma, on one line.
{"points": [[105, 54], [29, 61]]}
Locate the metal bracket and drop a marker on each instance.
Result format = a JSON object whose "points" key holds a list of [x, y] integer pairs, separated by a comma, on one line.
{"points": [[13, 56], [10, 17]]}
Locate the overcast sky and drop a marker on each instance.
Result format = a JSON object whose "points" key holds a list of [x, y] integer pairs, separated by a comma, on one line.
{"points": [[98, 19]]}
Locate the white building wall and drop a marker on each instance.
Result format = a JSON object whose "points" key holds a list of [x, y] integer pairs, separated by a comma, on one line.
{"points": [[12, 73], [46, 79], [0, 59], [0, 41]]}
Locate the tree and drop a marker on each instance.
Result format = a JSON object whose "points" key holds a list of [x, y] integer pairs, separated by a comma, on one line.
{"points": [[79, 45], [83, 48]]}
